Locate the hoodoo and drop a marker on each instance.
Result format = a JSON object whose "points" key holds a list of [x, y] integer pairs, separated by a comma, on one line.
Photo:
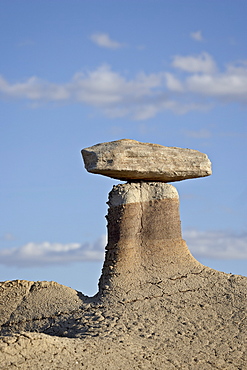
{"points": [[144, 233], [144, 241], [157, 307]]}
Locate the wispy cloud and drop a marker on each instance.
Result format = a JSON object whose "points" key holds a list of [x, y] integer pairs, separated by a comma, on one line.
{"points": [[192, 83], [173, 83], [203, 63], [229, 86], [7, 237], [196, 36], [103, 40], [216, 244], [40, 254], [34, 89], [207, 244]]}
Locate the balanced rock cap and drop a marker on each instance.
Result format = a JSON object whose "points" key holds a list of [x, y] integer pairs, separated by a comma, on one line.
{"points": [[131, 160]]}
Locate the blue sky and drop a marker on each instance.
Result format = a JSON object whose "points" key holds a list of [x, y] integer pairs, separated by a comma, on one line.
{"points": [[76, 73]]}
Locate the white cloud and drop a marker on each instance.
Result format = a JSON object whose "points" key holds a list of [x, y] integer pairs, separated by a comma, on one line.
{"points": [[195, 63], [216, 244], [207, 244], [103, 40], [230, 85], [34, 89], [39, 254], [102, 88], [197, 36], [144, 95], [173, 83]]}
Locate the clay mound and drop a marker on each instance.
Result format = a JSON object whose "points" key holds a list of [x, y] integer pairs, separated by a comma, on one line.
{"points": [[25, 303], [190, 325]]}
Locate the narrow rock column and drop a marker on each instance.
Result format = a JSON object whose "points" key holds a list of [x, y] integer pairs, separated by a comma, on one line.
{"points": [[145, 253], [144, 240]]}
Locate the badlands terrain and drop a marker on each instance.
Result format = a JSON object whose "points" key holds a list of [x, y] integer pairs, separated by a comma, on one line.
{"points": [[157, 307]]}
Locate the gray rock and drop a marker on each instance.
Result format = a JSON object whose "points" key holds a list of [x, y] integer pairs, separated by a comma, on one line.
{"points": [[132, 160]]}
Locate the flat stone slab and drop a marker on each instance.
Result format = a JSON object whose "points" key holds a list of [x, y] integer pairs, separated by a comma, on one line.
{"points": [[131, 160]]}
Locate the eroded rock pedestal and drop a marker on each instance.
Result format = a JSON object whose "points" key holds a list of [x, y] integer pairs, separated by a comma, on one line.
{"points": [[157, 307], [145, 245]]}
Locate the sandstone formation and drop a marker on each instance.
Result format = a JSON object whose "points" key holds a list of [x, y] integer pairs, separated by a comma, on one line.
{"points": [[157, 307], [131, 160]]}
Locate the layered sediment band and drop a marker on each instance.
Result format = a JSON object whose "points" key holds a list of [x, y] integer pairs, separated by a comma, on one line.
{"points": [[137, 192], [143, 211], [144, 240]]}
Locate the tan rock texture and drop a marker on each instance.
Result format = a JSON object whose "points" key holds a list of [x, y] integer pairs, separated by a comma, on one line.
{"points": [[157, 307], [132, 160]]}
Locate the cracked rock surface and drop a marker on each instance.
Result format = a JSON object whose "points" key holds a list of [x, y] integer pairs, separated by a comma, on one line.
{"points": [[157, 307]]}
